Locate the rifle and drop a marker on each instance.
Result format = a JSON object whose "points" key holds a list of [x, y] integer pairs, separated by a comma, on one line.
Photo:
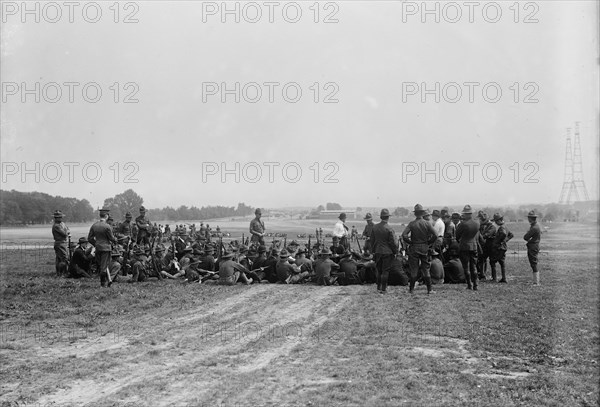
{"points": [[153, 260], [317, 236], [70, 249], [285, 241], [126, 256], [358, 243]]}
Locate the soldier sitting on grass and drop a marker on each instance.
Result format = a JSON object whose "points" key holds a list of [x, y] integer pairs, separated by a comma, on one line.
{"points": [[231, 272], [81, 262], [323, 267], [288, 273]]}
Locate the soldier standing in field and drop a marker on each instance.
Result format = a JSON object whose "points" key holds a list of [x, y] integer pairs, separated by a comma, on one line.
{"points": [[384, 249], [499, 247], [101, 237], [340, 230], [533, 237], [144, 227], [60, 233], [487, 231], [257, 229], [466, 235], [419, 234], [367, 232]]}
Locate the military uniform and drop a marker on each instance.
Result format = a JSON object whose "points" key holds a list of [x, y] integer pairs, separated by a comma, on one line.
{"points": [[499, 247], [60, 233], [419, 234], [102, 237], [467, 233], [231, 272], [143, 228], [368, 232], [257, 228], [384, 249], [533, 237], [487, 231], [323, 266], [81, 262]]}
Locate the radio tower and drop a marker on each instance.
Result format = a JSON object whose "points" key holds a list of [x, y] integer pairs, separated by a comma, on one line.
{"points": [[573, 186]]}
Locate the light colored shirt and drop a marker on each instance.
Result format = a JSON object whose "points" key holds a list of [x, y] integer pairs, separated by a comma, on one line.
{"points": [[339, 230], [439, 227]]}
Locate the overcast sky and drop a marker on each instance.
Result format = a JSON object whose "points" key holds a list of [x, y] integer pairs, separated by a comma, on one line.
{"points": [[370, 145]]}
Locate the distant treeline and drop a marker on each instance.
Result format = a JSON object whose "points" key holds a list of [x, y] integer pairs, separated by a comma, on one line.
{"points": [[36, 207], [194, 213]]}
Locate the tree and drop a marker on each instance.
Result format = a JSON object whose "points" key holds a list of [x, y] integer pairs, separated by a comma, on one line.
{"points": [[128, 201], [401, 211], [333, 206]]}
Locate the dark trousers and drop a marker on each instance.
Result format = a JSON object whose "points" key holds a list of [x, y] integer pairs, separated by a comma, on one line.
{"points": [[498, 256], [468, 258], [419, 262], [103, 262], [383, 263], [532, 256], [62, 255]]}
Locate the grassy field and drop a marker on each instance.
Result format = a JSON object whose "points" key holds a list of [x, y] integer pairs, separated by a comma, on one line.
{"points": [[69, 342]]}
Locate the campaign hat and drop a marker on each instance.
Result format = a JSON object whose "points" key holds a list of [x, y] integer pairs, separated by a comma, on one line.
{"points": [[436, 213], [257, 211], [104, 210], [283, 254], [532, 214], [227, 255], [142, 209], [455, 215], [498, 218], [467, 209], [82, 240], [325, 252], [419, 209], [368, 216], [58, 214], [128, 215], [342, 215], [384, 213]]}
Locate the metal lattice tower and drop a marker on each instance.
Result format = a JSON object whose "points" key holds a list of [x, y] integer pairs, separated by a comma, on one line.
{"points": [[573, 185]]}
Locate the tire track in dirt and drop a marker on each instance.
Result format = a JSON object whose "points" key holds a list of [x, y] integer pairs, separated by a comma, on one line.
{"points": [[135, 368]]}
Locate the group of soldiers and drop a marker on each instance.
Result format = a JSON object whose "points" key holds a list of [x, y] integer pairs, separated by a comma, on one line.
{"points": [[434, 248]]}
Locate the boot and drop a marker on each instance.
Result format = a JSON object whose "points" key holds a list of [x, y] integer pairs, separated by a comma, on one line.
{"points": [[536, 278], [429, 288], [474, 282], [493, 267], [411, 287], [503, 270]]}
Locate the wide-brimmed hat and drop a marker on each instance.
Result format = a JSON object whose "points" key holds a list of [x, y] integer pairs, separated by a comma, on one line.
{"points": [[498, 218], [128, 215], [342, 215], [436, 213], [418, 209], [384, 213], [82, 240], [467, 209], [455, 215], [283, 254], [426, 212], [368, 217], [104, 210], [257, 211], [58, 214], [262, 249], [301, 251], [532, 214], [325, 252], [142, 209]]}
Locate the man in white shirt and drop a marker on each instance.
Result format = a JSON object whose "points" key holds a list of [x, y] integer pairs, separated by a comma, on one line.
{"points": [[438, 225], [340, 230]]}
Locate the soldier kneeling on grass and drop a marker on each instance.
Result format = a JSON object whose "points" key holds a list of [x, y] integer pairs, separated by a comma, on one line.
{"points": [[231, 272], [140, 265], [81, 262], [115, 264]]}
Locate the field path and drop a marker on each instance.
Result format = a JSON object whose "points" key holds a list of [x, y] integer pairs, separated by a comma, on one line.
{"points": [[219, 343]]}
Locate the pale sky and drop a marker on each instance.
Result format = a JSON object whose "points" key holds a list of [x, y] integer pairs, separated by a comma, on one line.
{"points": [[378, 136]]}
